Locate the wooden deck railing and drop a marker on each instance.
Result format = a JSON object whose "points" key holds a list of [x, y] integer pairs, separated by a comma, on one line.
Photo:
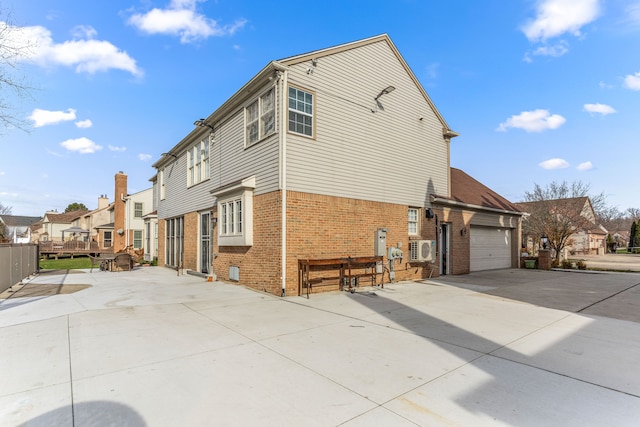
{"points": [[71, 247]]}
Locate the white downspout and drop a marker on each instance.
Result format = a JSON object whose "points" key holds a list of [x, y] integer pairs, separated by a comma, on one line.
{"points": [[283, 185]]}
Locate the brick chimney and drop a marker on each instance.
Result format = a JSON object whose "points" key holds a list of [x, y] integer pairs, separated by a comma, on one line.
{"points": [[119, 231]]}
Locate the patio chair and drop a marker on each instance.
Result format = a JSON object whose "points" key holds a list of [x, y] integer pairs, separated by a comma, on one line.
{"points": [[123, 262]]}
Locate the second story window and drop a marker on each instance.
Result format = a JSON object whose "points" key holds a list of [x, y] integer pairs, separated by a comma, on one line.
{"points": [[260, 117], [198, 162], [137, 210], [162, 188], [300, 112]]}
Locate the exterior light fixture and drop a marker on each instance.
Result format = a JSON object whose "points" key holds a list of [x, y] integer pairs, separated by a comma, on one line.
{"points": [[385, 91], [203, 124], [544, 239]]}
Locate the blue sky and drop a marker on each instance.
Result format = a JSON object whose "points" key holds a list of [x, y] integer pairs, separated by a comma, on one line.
{"points": [[539, 91]]}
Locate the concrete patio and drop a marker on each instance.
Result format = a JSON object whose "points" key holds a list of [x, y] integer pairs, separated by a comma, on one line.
{"points": [[151, 348]]}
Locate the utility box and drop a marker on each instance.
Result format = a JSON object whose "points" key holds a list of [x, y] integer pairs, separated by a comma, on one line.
{"points": [[380, 242]]}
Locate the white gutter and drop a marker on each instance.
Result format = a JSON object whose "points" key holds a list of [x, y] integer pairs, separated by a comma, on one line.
{"points": [[283, 186]]}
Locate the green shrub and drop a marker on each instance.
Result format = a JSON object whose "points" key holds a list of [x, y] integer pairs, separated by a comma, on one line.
{"points": [[567, 264]]}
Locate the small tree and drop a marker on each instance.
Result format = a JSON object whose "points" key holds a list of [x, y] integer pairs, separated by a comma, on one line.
{"points": [[557, 212], [75, 206]]}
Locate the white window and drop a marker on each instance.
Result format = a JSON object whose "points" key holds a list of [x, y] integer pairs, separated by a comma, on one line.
{"points": [[235, 213], [198, 162], [231, 218], [413, 220], [137, 239], [300, 112], [162, 187], [137, 210], [260, 117]]}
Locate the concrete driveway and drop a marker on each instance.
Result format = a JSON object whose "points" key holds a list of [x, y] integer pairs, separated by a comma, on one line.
{"points": [[150, 348]]}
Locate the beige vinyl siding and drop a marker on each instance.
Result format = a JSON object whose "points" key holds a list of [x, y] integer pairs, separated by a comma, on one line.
{"points": [[490, 219], [390, 155], [229, 161]]}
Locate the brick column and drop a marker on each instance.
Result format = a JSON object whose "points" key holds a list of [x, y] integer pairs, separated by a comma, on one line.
{"points": [[544, 259]]}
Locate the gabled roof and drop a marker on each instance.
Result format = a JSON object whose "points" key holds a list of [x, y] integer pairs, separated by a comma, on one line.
{"points": [[65, 218], [19, 221], [468, 191], [572, 203]]}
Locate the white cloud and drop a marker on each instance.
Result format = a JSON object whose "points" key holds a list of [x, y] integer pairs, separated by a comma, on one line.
{"points": [[585, 166], [45, 117], [557, 17], [2, 173], [533, 121], [145, 157], [83, 52], [181, 18], [632, 81], [84, 124], [632, 12], [432, 70], [556, 50], [114, 148], [81, 145], [554, 164], [598, 108]]}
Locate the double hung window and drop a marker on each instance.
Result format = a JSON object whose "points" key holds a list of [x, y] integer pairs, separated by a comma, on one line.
{"points": [[260, 117], [300, 112], [413, 221], [198, 162]]}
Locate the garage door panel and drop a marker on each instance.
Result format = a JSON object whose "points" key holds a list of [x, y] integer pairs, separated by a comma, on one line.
{"points": [[490, 248]]}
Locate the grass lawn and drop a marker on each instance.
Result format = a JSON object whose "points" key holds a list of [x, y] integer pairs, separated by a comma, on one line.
{"points": [[69, 263]]}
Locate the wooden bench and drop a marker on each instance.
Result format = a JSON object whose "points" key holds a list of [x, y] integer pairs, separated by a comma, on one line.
{"points": [[345, 271], [367, 263]]}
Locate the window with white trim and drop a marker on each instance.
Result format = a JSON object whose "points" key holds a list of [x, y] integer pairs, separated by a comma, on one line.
{"points": [[137, 239], [413, 221], [235, 213], [137, 210], [231, 217], [300, 112], [162, 186], [198, 162], [260, 117]]}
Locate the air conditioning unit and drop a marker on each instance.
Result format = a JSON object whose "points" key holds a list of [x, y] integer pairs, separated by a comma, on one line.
{"points": [[422, 250]]}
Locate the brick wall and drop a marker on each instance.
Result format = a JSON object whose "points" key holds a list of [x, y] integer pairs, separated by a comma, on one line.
{"points": [[191, 241], [259, 264], [321, 226]]}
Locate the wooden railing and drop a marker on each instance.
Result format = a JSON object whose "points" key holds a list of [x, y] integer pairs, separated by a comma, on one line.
{"points": [[71, 247]]}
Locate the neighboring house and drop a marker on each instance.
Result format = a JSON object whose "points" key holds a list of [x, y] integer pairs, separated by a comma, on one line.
{"points": [[56, 226], [586, 237], [322, 155], [126, 226], [18, 228]]}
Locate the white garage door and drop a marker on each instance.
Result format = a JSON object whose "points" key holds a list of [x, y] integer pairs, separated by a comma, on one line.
{"points": [[490, 248]]}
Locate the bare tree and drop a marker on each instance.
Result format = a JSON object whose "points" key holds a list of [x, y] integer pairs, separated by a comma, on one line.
{"points": [[5, 210], [556, 212], [13, 48]]}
